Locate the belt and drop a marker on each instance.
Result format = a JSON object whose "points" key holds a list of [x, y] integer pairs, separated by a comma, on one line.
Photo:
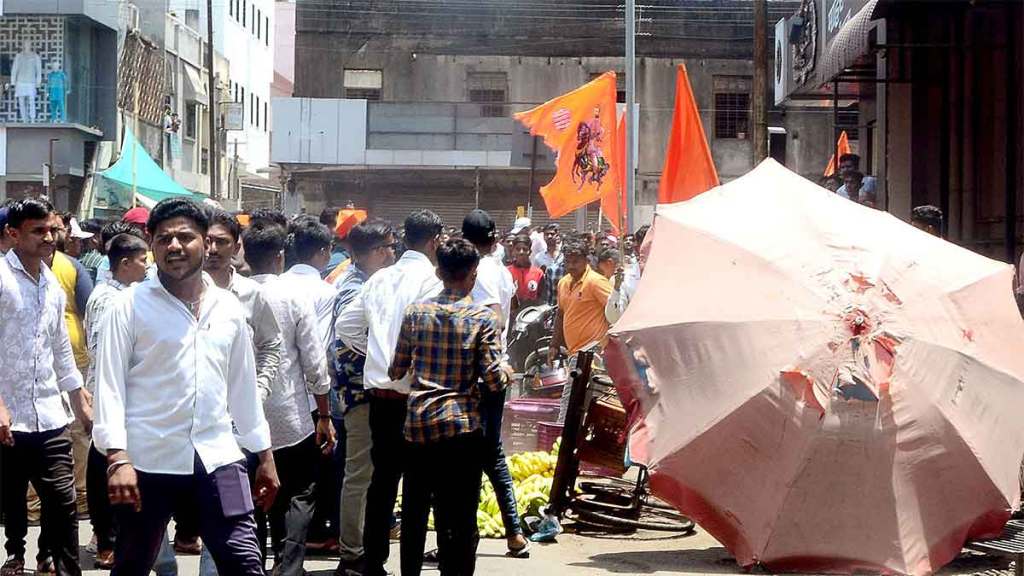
{"points": [[385, 394]]}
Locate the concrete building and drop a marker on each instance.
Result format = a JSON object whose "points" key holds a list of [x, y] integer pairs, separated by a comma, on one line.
{"points": [[244, 35], [410, 109], [284, 49], [78, 39], [936, 86]]}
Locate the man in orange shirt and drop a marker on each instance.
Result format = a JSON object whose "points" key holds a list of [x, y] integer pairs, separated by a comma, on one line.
{"points": [[582, 295]]}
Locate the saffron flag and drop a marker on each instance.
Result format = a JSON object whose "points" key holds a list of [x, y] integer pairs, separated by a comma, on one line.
{"points": [[843, 147], [347, 219], [613, 201], [580, 128], [689, 169]]}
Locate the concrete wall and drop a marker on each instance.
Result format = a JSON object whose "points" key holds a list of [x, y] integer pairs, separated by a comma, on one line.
{"points": [[284, 47]]}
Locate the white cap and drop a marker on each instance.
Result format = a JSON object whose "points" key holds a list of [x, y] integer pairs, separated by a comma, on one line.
{"points": [[520, 224], [77, 232]]}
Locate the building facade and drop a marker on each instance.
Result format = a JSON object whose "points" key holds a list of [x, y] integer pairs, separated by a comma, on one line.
{"points": [[938, 87], [402, 111], [60, 60]]}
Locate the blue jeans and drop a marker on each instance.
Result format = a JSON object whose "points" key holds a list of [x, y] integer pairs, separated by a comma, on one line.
{"points": [[492, 408]]}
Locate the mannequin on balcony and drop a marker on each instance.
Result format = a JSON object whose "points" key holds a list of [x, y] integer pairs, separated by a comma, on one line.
{"points": [[26, 75], [58, 87]]}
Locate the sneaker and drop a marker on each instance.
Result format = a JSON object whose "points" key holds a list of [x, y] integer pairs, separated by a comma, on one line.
{"points": [[349, 568], [188, 547], [92, 546]]}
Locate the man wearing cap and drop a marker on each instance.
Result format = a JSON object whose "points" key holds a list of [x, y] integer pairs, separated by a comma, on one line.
{"points": [[524, 226], [495, 288]]}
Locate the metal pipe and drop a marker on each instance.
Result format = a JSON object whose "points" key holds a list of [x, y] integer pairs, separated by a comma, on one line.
{"points": [[1012, 126], [630, 116], [214, 136]]}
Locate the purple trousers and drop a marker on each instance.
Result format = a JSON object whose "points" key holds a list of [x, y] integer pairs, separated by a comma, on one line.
{"points": [[223, 501]]}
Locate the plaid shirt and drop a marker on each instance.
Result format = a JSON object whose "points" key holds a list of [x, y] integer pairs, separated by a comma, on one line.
{"points": [[450, 344], [552, 275]]}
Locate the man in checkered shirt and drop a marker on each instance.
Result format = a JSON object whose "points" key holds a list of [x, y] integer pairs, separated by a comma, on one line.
{"points": [[452, 347]]}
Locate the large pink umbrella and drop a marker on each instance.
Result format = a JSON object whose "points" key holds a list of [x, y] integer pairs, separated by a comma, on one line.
{"points": [[820, 385]]}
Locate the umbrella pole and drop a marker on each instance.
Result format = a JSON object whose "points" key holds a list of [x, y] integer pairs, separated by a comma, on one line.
{"points": [[135, 146]]}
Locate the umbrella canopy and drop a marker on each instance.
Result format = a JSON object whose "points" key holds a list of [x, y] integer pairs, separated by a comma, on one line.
{"points": [[820, 385], [152, 184]]}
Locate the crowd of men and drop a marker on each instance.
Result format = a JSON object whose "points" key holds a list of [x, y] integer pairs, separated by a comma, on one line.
{"points": [[284, 374]]}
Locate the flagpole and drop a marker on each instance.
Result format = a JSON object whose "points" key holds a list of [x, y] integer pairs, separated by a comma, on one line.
{"points": [[631, 124]]}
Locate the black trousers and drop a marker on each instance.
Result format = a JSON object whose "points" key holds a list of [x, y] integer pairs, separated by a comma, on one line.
{"points": [[445, 474], [387, 432], [101, 515], [297, 468], [43, 458], [223, 501]]}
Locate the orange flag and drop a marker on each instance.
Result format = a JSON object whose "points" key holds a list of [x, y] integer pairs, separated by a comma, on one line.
{"points": [[843, 147], [580, 128], [689, 169], [613, 201], [347, 219]]}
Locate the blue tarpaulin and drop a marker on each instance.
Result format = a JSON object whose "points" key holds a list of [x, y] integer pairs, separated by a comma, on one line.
{"points": [[114, 185]]}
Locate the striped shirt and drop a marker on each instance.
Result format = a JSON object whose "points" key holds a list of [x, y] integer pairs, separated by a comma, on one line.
{"points": [[450, 344]]}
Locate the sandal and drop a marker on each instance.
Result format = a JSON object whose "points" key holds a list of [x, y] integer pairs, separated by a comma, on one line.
{"points": [[104, 560], [13, 567], [523, 552], [45, 568]]}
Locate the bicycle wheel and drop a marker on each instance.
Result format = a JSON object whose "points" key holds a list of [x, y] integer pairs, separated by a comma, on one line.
{"points": [[649, 519]]}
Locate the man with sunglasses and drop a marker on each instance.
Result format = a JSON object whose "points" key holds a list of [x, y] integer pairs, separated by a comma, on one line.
{"points": [[373, 245]]}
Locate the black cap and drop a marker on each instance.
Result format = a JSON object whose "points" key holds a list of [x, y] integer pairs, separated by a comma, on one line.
{"points": [[479, 228]]}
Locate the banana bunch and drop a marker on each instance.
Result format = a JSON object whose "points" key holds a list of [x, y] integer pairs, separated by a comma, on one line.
{"points": [[527, 464]]}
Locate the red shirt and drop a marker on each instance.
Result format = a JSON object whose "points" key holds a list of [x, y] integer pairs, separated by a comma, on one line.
{"points": [[528, 282]]}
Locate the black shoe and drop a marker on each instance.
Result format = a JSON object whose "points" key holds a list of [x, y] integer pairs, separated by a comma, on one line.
{"points": [[430, 557], [349, 568]]}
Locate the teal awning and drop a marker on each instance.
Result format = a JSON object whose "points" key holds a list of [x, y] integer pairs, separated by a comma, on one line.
{"points": [[152, 184]]}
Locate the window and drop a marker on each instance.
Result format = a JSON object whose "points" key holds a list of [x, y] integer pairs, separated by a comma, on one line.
{"points": [[266, 117], [245, 13], [259, 25], [252, 107], [489, 89], [363, 84], [204, 161], [732, 106], [620, 85], [257, 21], [191, 120], [238, 10], [266, 28], [231, 7]]}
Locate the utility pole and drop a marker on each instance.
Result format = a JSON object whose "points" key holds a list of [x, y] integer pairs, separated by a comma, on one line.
{"points": [[631, 126], [760, 103], [212, 108]]}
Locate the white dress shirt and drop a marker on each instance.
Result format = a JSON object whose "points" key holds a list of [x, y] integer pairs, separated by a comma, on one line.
{"points": [[303, 368], [169, 385], [494, 285], [36, 361], [95, 310], [306, 280], [375, 317], [266, 334]]}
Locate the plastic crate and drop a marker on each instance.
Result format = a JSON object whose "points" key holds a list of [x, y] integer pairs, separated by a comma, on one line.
{"points": [[520, 425], [547, 433]]}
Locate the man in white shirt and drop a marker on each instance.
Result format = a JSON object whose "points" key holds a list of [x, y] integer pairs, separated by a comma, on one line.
{"points": [[380, 308], [296, 441], [494, 288], [312, 244], [175, 399], [127, 255], [552, 255], [224, 243], [38, 368]]}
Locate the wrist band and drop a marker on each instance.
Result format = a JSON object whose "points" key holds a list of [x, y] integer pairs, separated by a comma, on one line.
{"points": [[115, 465]]}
